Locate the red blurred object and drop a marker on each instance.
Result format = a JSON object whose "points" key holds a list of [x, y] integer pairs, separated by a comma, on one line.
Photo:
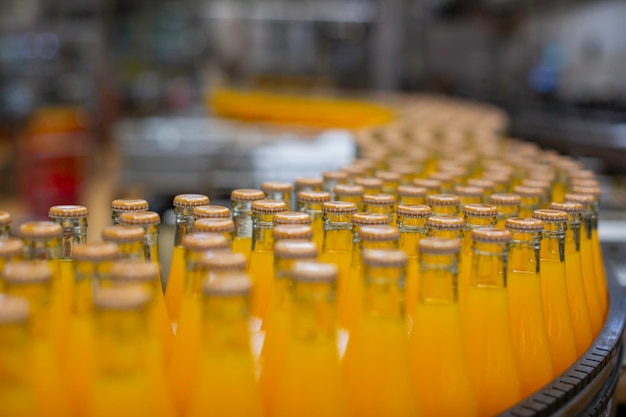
{"points": [[52, 154]]}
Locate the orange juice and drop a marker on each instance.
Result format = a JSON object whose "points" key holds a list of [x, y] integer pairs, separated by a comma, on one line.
{"points": [[311, 353], [487, 327], [11, 249], [376, 369], [242, 216], [530, 335], [444, 204], [530, 199], [224, 384], [508, 206], [443, 382], [554, 290], [311, 202], [149, 221], [598, 266]]}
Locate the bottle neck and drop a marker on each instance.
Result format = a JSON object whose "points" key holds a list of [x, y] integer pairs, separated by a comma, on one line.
{"points": [[151, 243], [507, 212], [42, 249], [377, 208], [74, 232], [132, 250], [356, 199], [412, 225], [312, 312], [446, 234], [524, 252], [438, 278], [5, 231], [572, 234], [489, 263], [529, 205], [383, 295], [337, 232], [445, 210], [411, 201], [314, 209], [242, 217], [262, 239], [279, 196], [474, 222], [225, 323], [184, 223], [470, 200], [88, 274], [38, 296], [553, 242]]}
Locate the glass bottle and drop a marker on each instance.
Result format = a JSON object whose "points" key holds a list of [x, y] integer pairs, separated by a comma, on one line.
{"points": [[149, 221], [5, 224], [125, 205], [581, 317], [486, 324], [32, 281], [443, 383], [409, 195], [242, 216], [530, 199], [225, 383], [432, 186], [311, 202], [292, 217], [554, 289], [130, 240], [487, 185], [469, 195], [376, 370], [391, 181], [224, 226], [125, 366], [508, 205], [370, 185], [350, 194], [446, 227], [261, 267], [447, 181], [309, 184], [544, 186], [211, 212], [333, 178], [444, 204], [380, 203], [354, 171], [11, 249], [412, 227], [292, 232], [183, 210], [530, 335], [311, 352], [279, 191]]}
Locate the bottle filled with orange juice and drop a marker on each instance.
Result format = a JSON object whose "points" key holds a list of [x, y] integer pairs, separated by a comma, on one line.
{"points": [[183, 209], [581, 317], [11, 249], [444, 204], [279, 191], [333, 178], [487, 185], [311, 202], [225, 384], [225, 227], [412, 227], [130, 240], [211, 212], [508, 206], [149, 221], [432, 186], [391, 181], [309, 184], [380, 203], [438, 359], [261, 267], [126, 205], [486, 324], [370, 185], [469, 195], [292, 217], [411, 195], [554, 289], [5, 224], [311, 353], [242, 216], [446, 227], [376, 369], [530, 335], [292, 232], [350, 193], [530, 199], [125, 368]]}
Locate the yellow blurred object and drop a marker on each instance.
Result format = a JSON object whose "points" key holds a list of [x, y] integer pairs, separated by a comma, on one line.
{"points": [[292, 109]]}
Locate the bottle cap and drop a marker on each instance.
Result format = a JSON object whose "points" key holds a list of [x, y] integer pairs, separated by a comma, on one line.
{"points": [[417, 211], [223, 261], [303, 182], [126, 297], [276, 187], [27, 272], [384, 257], [190, 200], [403, 169], [568, 206], [480, 210], [444, 176], [200, 242], [484, 183], [468, 191], [211, 212], [354, 169], [246, 194], [344, 207], [382, 233], [268, 206], [236, 285], [411, 191], [313, 196], [505, 199], [13, 309], [123, 234], [292, 231], [443, 200], [127, 204], [582, 174], [347, 189], [311, 271], [379, 199], [95, 251], [40, 230], [536, 183], [139, 218], [445, 223], [429, 184], [67, 212], [369, 219], [5, 218], [491, 234], [295, 249], [528, 191], [388, 175], [133, 270], [214, 226], [335, 175], [550, 216], [595, 191], [584, 182], [435, 245], [581, 198], [524, 224], [10, 247], [292, 217], [369, 183]]}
